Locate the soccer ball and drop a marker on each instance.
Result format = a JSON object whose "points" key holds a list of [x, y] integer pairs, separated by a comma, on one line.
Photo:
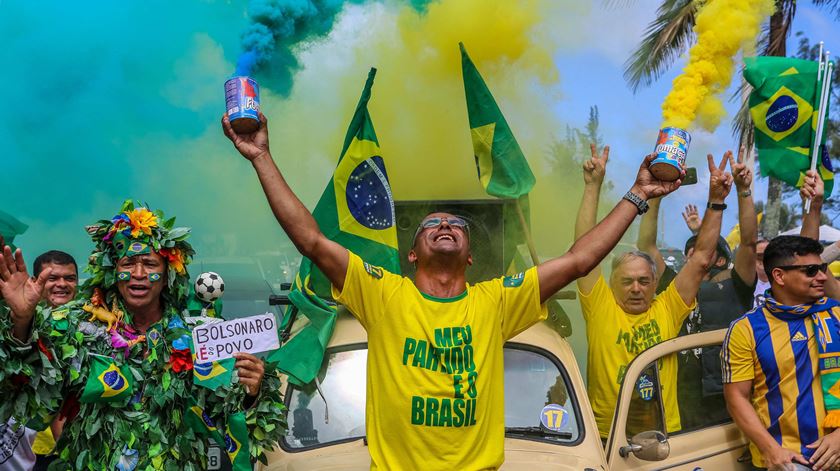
{"points": [[209, 286]]}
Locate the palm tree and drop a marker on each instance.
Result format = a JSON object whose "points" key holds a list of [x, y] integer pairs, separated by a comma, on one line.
{"points": [[671, 34]]}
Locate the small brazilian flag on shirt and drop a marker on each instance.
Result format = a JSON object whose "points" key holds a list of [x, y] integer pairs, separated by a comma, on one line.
{"points": [[106, 381], [784, 105], [356, 210], [237, 443], [213, 374], [502, 168]]}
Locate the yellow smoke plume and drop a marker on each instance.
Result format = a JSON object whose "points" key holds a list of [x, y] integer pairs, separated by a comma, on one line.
{"points": [[417, 105], [723, 28]]}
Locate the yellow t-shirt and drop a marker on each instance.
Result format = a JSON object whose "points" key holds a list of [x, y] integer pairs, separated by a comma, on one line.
{"points": [[435, 371], [616, 338]]}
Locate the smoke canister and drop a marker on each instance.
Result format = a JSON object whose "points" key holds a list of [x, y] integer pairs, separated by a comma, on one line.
{"points": [[242, 101], [671, 148]]}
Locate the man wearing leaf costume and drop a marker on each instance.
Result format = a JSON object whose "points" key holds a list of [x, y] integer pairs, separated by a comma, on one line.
{"points": [[119, 359]]}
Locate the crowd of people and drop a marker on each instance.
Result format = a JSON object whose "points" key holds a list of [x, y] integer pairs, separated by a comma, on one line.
{"points": [[776, 373]]}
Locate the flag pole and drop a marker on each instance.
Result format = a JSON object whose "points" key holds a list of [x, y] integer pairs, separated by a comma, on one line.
{"points": [[826, 85], [527, 231]]}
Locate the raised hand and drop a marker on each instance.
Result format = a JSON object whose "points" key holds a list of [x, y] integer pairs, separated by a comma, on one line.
{"points": [[720, 181], [813, 187], [740, 172], [20, 291], [647, 186], [595, 167], [250, 370], [251, 145], [692, 218]]}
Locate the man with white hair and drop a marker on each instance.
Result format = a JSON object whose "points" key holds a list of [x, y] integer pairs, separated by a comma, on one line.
{"points": [[622, 317]]}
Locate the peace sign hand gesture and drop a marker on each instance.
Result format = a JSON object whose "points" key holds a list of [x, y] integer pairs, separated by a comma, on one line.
{"points": [[720, 182], [740, 172], [595, 167]]}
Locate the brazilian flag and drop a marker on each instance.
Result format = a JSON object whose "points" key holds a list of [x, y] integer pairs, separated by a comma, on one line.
{"points": [[237, 443], [106, 381], [356, 210], [202, 424], [213, 374], [784, 108], [502, 168], [11, 227]]}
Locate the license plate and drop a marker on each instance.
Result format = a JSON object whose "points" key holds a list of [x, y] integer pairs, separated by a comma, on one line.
{"points": [[214, 458]]}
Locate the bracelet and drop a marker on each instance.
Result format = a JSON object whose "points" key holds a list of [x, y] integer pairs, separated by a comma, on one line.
{"points": [[716, 206], [641, 205], [745, 193]]}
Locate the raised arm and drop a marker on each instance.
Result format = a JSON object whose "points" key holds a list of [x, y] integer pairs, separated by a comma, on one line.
{"points": [[292, 215], [592, 246], [647, 235], [688, 279], [813, 188], [594, 171], [20, 291], [692, 218], [747, 221]]}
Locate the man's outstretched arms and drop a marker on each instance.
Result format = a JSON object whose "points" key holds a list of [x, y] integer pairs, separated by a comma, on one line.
{"points": [[592, 246], [330, 257]]}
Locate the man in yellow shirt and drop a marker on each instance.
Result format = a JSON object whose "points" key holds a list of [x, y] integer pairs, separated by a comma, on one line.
{"points": [[623, 319], [435, 392]]}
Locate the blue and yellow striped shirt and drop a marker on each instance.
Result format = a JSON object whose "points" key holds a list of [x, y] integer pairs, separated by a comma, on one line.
{"points": [[780, 358]]}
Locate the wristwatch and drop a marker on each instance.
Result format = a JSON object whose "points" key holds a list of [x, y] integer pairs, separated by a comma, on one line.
{"points": [[716, 206], [637, 200], [745, 193]]}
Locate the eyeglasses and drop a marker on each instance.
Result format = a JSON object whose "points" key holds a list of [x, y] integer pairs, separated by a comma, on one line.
{"points": [[809, 270], [431, 223]]}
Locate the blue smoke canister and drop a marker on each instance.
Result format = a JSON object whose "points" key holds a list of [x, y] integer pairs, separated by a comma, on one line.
{"points": [[242, 101], [671, 149]]}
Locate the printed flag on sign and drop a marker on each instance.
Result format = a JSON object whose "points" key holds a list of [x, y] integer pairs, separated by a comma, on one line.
{"points": [[106, 381], [784, 108], [502, 168], [236, 442], [202, 424], [356, 210], [213, 374]]}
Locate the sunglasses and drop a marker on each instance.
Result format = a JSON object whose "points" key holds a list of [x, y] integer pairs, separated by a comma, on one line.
{"points": [[431, 223], [809, 270]]}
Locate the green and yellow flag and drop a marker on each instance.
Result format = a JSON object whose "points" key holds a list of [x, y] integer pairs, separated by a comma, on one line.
{"points": [[213, 374], [106, 381], [237, 444], [202, 424], [357, 211], [784, 107], [502, 168]]}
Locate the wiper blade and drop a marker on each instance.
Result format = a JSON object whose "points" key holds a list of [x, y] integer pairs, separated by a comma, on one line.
{"points": [[538, 432]]}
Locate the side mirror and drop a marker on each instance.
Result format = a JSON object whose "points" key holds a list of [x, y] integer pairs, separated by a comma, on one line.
{"points": [[647, 446]]}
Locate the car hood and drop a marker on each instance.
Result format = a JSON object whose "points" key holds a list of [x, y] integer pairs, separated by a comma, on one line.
{"points": [[329, 459]]}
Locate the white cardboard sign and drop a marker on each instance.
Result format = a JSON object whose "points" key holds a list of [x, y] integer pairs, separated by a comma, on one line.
{"points": [[218, 341]]}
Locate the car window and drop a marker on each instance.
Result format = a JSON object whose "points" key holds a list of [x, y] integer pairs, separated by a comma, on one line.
{"points": [[538, 404], [699, 394]]}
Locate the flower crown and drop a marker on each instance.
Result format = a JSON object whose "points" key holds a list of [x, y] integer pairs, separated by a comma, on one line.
{"points": [[133, 231]]}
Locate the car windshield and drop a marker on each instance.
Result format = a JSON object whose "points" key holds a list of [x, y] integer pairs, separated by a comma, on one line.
{"points": [[537, 403]]}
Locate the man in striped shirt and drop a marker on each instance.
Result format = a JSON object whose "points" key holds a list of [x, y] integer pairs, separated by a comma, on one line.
{"points": [[770, 364]]}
